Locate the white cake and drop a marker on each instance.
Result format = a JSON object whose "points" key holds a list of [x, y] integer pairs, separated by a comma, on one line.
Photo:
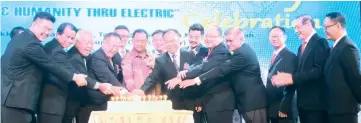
{"points": [[139, 106]]}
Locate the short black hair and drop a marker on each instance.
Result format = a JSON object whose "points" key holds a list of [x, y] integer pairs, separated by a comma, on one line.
{"points": [[337, 17], [306, 18], [172, 30], [110, 34], [239, 30], [16, 30], [121, 27], [278, 27], [157, 31], [140, 31], [62, 27], [44, 15], [197, 27]]}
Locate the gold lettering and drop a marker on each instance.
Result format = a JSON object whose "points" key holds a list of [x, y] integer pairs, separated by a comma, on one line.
{"points": [[186, 18], [227, 23], [278, 19], [254, 21], [236, 19], [266, 23], [244, 22]]}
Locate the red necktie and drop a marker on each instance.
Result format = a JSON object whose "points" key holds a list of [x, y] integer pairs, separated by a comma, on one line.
{"points": [[209, 52], [303, 47], [273, 58]]}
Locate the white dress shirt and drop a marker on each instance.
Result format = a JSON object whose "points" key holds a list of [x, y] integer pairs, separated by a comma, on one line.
{"points": [[338, 40]]}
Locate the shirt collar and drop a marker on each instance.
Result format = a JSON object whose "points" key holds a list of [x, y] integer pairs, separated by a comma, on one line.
{"points": [[177, 53], [338, 40], [279, 50], [136, 54], [309, 37]]}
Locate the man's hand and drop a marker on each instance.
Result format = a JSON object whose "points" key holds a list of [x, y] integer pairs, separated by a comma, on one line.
{"points": [[283, 115], [138, 92], [119, 91], [106, 88], [187, 83], [182, 74], [173, 82], [282, 79], [79, 79], [198, 108]]}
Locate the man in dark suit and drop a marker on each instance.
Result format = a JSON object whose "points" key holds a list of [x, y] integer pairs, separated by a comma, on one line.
{"points": [[195, 36], [342, 72], [22, 66], [123, 32], [166, 67], [243, 73], [54, 92], [308, 78], [281, 100], [102, 67], [217, 96], [77, 96]]}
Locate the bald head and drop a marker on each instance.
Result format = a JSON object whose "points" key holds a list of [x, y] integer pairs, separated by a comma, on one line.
{"points": [[84, 42], [234, 38], [213, 36]]}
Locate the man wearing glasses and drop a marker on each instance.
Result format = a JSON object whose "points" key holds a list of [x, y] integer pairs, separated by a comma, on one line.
{"points": [[342, 72], [308, 78]]}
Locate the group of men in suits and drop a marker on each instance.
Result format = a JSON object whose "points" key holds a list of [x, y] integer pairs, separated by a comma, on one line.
{"points": [[211, 80], [327, 80], [47, 81]]}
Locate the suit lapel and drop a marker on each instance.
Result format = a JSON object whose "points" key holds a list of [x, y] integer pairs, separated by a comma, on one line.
{"points": [[334, 52], [169, 62], [111, 67], [308, 49], [278, 58], [182, 59]]}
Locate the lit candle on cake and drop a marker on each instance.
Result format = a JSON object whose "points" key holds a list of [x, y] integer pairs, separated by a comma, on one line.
{"points": [[153, 99], [116, 98], [137, 98], [112, 98], [143, 98], [165, 97], [160, 97], [149, 97]]}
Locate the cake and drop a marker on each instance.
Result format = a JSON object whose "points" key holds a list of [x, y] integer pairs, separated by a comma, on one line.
{"points": [[139, 104]]}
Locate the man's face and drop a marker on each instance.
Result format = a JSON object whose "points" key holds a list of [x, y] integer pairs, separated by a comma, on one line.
{"points": [[331, 28], [124, 34], [212, 37], [67, 38], [140, 42], [194, 37], [277, 38], [172, 42], [158, 43], [234, 39], [85, 44], [42, 28], [302, 29], [111, 46]]}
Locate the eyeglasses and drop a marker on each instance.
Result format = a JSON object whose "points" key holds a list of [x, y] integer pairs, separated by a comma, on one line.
{"points": [[44, 27], [326, 27]]}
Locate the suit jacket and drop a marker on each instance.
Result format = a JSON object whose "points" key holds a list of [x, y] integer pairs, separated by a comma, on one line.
{"points": [[343, 78], [202, 52], [55, 91], [243, 72], [100, 68], [217, 93], [22, 69], [165, 70], [308, 79], [77, 96], [118, 60], [282, 98]]}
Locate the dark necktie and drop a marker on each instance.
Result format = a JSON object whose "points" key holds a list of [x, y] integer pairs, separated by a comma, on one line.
{"points": [[273, 58], [85, 65], [174, 57]]}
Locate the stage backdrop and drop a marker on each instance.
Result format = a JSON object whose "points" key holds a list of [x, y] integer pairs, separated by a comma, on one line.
{"points": [[256, 18]]}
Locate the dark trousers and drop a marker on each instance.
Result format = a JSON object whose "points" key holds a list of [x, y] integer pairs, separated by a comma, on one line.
{"points": [[344, 118], [312, 116], [282, 120], [256, 116], [219, 116], [49, 118], [16, 115]]}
